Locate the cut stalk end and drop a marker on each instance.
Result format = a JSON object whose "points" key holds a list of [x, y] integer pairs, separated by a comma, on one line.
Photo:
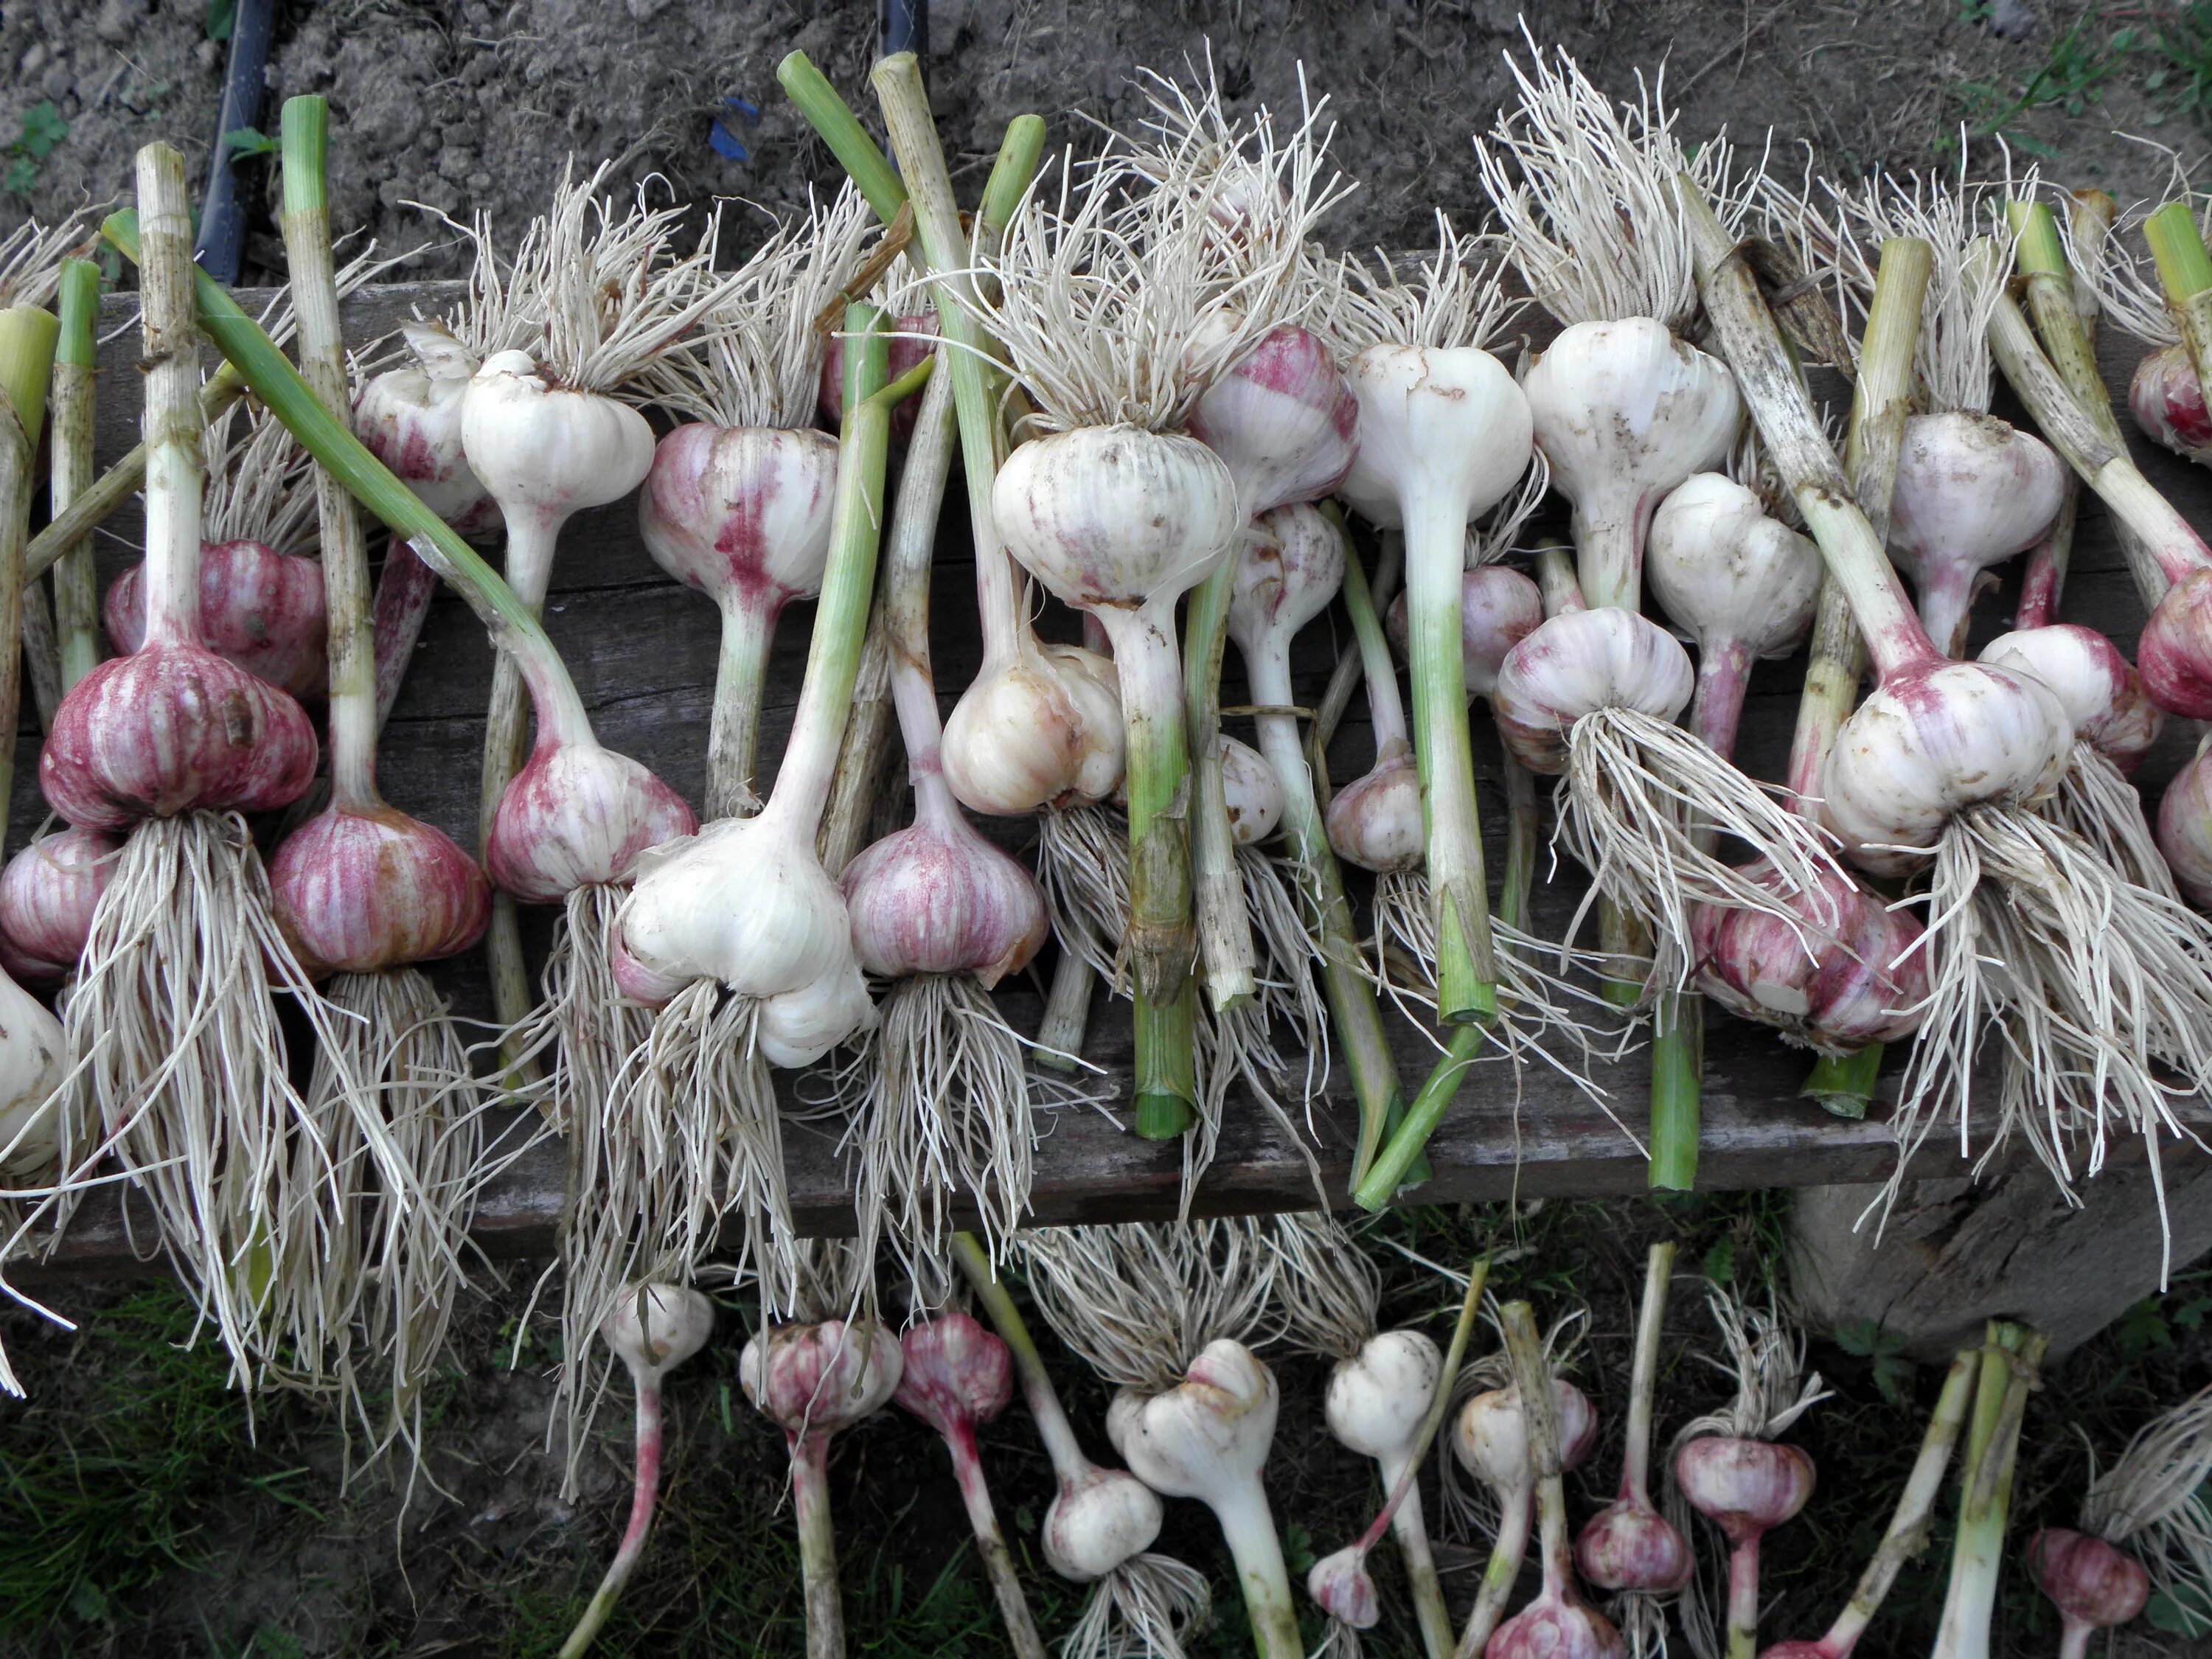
{"points": [[28, 337], [2185, 269], [1844, 1086]]}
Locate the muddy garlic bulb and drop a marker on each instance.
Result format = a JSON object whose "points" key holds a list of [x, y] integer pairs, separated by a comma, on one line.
{"points": [[48, 892], [1972, 491], [411, 420], [260, 609]]}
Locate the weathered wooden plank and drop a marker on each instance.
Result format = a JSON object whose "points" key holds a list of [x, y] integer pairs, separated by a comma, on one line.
{"points": [[642, 651]]}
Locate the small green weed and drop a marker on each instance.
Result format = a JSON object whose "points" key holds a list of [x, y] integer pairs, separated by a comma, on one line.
{"points": [[44, 128]]}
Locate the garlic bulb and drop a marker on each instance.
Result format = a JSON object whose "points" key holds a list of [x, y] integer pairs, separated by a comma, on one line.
{"points": [[48, 892], [1255, 792], [546, 452], [936, 897], [746, 903], [356, 891], [1098, 1520], [1498, 608], [1848, 973], [814, 1379], [1742, 585], [170, 727], [2102, 694], [2094, 1586], [1972, 491], [913, 337], [1041, 729], [410, 419], [1933, 739], [1443, 433], [1625, 412], [656, 1327], [2168, 403], [1580, 662], [260, 609], [576, 816], [1283, 419], [2174, 652], [743, 515], [2184, 829], [1374, 821], [33, 1061]]}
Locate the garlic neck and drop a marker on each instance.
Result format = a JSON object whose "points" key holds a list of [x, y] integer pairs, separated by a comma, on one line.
{"points": [[733, 729], [1248, 1527], [1609, 552], [1717, 706], [533, 533]]}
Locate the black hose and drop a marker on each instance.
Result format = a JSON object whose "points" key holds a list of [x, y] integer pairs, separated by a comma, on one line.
{"points": [[223, 216], [903, 26]]}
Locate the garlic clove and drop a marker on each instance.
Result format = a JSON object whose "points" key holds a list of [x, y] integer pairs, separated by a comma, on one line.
{"points": [[260, 609]]}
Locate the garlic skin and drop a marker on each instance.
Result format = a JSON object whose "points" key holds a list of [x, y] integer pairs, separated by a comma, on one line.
{"points": [[741, 514], [1376, 1400], [1108, 518], [656, 1327], [1446, 427], [1630, 1545], [33, 1061], [575, 816], [1255, 792], [1972, 492], [1849, 975], [2185, 830], [357, 891], [815, 1379], [260, 609], [48, 892], [410, 419], [2174, 652], [2103, 695], [1284, 420], [1210, 1432], [954, 1373], [2168, 403], [1095, 1524], [936, 897], [1579, 662], [744, 902], [544, 451], [170, 728], [1374, 821], [1933, 739], [1625, 412]]}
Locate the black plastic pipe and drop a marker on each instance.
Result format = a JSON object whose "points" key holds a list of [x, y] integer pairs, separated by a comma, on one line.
{"points": [[223, 216]]}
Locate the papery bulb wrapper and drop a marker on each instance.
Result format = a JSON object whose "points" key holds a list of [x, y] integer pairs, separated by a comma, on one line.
{"points": [[48, 893], [260, 609], [2185, 830], [955, 1371], [575, 817], [33, 1061], [358, 892], [169, 729], [2174, 652]]}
